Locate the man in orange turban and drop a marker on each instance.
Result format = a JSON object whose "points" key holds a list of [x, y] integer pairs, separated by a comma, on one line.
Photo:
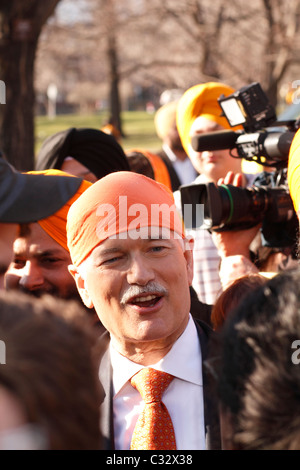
{"points": [[41, 255], [198, 112], [133, 263]]}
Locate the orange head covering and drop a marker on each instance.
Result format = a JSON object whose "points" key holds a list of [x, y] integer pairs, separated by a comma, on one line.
{"points": [[200, 100], [165, 119], [160, 170], [55, 224], [116, 204], [293, 171]]}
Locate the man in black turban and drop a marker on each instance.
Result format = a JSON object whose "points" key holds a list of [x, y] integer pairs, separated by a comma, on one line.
{"points": [[88, 153]]}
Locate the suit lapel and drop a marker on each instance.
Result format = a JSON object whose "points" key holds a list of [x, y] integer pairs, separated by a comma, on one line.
{"points": [[211, 414], [106, 409]]}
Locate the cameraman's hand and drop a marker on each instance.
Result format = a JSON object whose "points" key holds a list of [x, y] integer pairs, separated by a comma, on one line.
{"points": [[233, 248], [235, 242], [236, 179]]}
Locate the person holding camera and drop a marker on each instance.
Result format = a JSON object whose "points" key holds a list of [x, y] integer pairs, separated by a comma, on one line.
{"points": [[245, 253], [199, 112]]}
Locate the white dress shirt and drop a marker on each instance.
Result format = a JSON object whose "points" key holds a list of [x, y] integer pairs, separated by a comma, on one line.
{"points": [[184, 168], [183, 398]]}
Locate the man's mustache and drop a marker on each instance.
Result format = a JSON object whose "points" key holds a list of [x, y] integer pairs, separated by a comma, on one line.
{"points": [[150, 288]]}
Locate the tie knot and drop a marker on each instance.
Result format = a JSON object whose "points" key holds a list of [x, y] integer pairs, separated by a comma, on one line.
{"points": [[151, 384]]}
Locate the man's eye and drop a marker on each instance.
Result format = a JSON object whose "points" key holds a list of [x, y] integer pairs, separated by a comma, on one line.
{"points": [[112, 260], [158, 249], [18, 263], [50, 260]]}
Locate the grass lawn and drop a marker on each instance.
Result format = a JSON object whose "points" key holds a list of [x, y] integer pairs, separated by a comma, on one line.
{"points": [[138, 127]]}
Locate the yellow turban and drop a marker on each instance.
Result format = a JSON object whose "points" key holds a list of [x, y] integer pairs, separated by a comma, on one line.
{"points": [[200, 100], [55, 224], [165, 119], [293, 171]]}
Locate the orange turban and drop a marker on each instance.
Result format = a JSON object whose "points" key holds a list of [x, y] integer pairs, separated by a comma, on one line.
{"points": [[118, 203], [200, 100], [293, 171], [160, 170], [165, 119], [55, 224]]}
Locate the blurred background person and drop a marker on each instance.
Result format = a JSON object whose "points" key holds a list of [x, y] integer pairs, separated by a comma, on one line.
{"points": [[172, 151], [50, 393], [228, 300], [111, 128], [149, 164]]}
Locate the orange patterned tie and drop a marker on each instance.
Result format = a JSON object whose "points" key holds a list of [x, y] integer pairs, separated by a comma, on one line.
{"points": [[154, 429]]}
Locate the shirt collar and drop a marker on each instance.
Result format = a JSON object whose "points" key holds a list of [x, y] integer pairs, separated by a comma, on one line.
{"points": [[183, 360], [169, 152]]}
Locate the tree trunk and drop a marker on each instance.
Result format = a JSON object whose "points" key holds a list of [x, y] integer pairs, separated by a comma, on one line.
{"points": [[17, 115], [115, 102], [20, 26]]}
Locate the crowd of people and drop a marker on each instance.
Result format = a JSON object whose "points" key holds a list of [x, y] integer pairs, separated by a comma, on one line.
{"points": [[125, 330]]}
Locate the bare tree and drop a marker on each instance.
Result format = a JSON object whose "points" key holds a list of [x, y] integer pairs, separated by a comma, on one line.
{"points": [[282, 35], [20, 26], [174, 44]]}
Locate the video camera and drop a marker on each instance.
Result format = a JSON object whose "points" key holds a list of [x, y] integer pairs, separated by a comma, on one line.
{"points": [[265, 141]]}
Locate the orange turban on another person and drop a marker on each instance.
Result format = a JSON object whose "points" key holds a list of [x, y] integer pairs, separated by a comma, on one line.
{"points": [[118, 203], [158, 166], [201, 100], [293, 171], [55, 224]]}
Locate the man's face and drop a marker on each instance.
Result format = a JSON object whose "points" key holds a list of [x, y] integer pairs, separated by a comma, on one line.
{"points": [[213, 165], [173, 138], [8, 233], [40, 266], [139, 288], [74, 167]]}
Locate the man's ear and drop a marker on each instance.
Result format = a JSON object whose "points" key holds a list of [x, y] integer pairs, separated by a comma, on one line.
{"points": [[188, 254], [80, 283]]}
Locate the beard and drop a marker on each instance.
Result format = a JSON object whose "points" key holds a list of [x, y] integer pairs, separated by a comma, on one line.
{"points": [[177, 145], [68, 293]]}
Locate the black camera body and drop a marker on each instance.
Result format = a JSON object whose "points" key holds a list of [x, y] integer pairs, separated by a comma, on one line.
{"points": [[267, 201], [248, 107]]}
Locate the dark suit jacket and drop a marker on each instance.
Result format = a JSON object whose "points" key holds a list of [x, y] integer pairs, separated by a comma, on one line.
{"points": [[211, 418], [175, 181]]}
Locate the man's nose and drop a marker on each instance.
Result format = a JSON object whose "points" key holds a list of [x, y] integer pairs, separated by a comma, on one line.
{"points": [[140, 271], [31, 277], [207, 153]]}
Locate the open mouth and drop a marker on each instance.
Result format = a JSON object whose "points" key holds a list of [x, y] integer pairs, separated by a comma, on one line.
{"points": [[149, 300]]}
